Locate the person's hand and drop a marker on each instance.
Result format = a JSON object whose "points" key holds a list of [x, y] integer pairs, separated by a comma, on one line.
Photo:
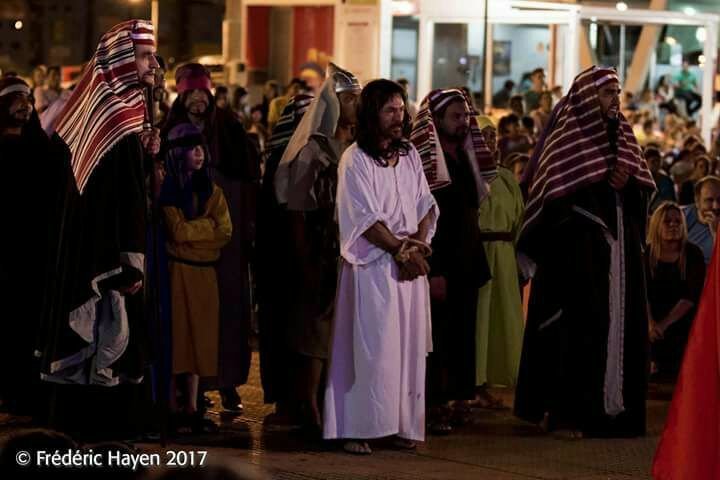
{"points": [[711, 220], [438, 288], [151, 141], [619, 176], [414, 267], [656, 331], [132, 289]]}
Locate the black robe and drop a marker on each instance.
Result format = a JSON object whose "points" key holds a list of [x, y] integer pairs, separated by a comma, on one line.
{"points": [[30, 165], [563, 365], [274, 288], [459, 256], [94, 232]]}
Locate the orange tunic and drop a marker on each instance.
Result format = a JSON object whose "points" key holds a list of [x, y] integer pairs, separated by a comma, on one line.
{"points": [[194, 290]]}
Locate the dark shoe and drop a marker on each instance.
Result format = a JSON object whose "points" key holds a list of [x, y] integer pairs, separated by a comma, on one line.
{"points": [[440, 428], [231, 401]]}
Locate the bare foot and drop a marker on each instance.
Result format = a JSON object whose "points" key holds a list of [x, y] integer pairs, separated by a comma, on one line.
{"points": [[357, 447]]}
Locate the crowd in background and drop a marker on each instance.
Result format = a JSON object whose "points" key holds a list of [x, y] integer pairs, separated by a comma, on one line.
{"points": [[225, 266]]}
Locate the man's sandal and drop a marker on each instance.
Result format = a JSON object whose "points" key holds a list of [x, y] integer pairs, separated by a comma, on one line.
{"points": [[357, 448]]}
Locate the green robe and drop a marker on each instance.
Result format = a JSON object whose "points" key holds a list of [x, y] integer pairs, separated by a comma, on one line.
{"points": [[499, 332]]}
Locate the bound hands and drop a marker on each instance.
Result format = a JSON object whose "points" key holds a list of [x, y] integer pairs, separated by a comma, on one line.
{"points": [[151, 141], [619, 176], [410, 258]]}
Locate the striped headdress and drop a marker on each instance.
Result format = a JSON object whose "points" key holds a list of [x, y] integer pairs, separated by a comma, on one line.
{"points": [[425, 138], [108, 103], [574, 151], [290, 117]]}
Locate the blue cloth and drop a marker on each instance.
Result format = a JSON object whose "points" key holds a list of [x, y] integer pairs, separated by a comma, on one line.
{"points": [[698, 233]]}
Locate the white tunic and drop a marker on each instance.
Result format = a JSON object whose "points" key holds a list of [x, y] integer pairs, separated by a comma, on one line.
{"points": [[381, 336]]}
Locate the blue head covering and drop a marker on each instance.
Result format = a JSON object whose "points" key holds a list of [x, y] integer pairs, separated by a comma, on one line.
{"points": [[180, 186]]}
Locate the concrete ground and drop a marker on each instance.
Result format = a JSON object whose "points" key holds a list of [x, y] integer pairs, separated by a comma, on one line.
{"points": [[496, 446]]}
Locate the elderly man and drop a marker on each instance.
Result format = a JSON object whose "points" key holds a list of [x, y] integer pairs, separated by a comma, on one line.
{"points": [[381, 332], [458, 165], [584, 361], [702, 217], [95, 333], [234, 165]]}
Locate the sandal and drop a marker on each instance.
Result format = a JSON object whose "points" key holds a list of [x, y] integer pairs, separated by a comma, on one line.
{"points": [[440, 421], [357, 447]]}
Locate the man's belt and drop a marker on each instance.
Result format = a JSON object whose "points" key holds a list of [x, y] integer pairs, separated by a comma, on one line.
{"points": [[192, 262], [496, 236]]}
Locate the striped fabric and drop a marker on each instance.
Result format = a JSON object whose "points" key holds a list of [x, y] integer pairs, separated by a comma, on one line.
{"points": [[108, 102], [425, 138], [288, 122], [574, 151]]}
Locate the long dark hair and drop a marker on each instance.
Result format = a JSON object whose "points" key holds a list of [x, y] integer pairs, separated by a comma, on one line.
{"points": [[372, 99]]}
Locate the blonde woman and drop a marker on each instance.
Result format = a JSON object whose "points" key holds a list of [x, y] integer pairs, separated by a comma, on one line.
{"points": [[675, 276]]}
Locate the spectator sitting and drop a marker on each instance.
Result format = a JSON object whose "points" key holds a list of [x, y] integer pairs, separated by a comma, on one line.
{"points": [[532, 96], [511, 138], [665, 187], [516, 106], [702, 217], [675, 276], [541, 115], [501, 99]]}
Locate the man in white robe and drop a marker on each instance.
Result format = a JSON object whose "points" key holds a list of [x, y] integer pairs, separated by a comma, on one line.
{"points": [[381, 335]]}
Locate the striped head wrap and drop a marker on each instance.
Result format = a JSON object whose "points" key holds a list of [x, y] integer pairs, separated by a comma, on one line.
{"points": [[108, 103], [425, 138], [574, 151], [288, 122]]}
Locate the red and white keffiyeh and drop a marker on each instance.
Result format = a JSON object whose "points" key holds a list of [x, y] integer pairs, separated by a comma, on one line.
{"points": [[108, 102], [574, 151], [425, 138]]}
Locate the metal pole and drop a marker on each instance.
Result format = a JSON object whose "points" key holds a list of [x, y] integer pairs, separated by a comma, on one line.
{"points": [[484, 60], [155, 17], [621, 60]]}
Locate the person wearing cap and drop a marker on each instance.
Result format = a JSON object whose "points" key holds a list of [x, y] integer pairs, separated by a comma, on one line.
{"points": [[94, 336], [235, 168], [27, 154], [306, 183], [458, 166], [198, 225], [585, 351]]}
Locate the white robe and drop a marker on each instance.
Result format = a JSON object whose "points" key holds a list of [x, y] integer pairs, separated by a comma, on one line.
{"points": [[381, 336]]}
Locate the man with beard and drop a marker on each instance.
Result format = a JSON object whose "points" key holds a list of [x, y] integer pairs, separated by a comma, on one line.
{"points": [[95, 335], [585, 353], [26, 152], [702, 217], [234, 167], [306, 182], [381, 332], [458, 165]]}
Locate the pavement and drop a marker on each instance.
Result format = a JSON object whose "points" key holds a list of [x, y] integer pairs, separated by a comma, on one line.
{"points": [[495, 446]]}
